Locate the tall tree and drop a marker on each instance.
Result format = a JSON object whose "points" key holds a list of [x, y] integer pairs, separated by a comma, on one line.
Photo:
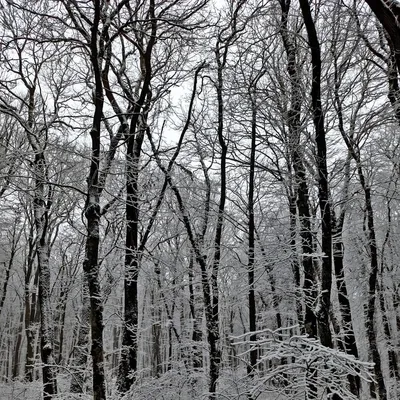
{"points": [[300, 177]]}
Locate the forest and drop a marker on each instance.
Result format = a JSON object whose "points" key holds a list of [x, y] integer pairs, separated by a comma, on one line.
{"points": [[199, 199]]}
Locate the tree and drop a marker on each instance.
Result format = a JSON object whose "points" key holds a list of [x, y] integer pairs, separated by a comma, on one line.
{"points": [[186, 179]]}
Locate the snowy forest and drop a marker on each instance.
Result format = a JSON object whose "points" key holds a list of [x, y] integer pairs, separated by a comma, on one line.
{"points": [[199, 199]]}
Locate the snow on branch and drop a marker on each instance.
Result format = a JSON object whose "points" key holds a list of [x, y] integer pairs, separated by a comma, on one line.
{"points": [[288, 365]]}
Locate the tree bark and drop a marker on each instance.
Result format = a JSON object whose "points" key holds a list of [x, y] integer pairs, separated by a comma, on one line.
{"points": [[324, 332], [128, 364], [380, 387], [388, 13], [300, 179], [42, 202], [197, 334], [81, 349], [251, 244], [92, 214], [17, 349], [323, 310]]}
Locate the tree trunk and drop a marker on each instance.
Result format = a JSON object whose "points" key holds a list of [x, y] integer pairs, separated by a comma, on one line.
{"points": [[91, 270], [350, 345], [324, 332], [30, 308], [380, 387], [92, 213], [17, 349], [294, 115], [128, 364], [392, 356], [323, 310], [80, 351], [46, 325], [197, 356], [251, 245], [388, 13], [42, 202], [295, 261]]}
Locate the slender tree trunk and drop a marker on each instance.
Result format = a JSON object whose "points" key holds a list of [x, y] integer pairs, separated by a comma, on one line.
{"points": [[30, 308], [392, 356], [380, 387], [43, 253], [81, 349], [42, 202], [197, 356], [251, 245], [17, 349], [350, 345], [46, 326], [6, 279], [210, 289], [213, 317], [62, 317], [294, 260], [156, 359]]}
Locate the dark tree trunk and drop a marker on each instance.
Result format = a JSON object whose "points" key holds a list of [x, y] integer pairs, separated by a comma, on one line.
{"points": [[92, 214], [8, 267], [324, 331], [294, 259], [80, 351], [380, 387], [91, 269], [128, 364], [17, 349], [323, 311], [388, 13], [393, 80], [197, 335], [251, 244], [30, 307], [156, 359], [46, 326], [300, 179]]}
